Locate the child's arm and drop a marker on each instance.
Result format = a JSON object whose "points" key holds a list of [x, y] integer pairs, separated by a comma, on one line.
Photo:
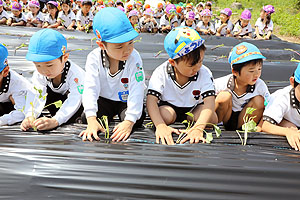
{"points": [[54, 25], [163, 132], [70, 27], [257, 33], [195, 134], [21, 23], [45, 25], [267, 37], [292, 136]]}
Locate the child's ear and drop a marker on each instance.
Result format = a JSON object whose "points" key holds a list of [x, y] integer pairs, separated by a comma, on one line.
{"points": [[235, 73], [5, 71], [66, 57], [292, 81], [100, 44], [172, 62]]}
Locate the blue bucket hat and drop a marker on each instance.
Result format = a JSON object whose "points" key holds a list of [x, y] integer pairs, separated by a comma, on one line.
{"points": [[112, 25], [46, 45], [244, 52], [181, 41], [297, 74], [3, 57]]}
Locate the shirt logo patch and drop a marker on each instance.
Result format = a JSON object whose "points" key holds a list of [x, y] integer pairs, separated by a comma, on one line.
{"points": [[241, 49], [98, 34], [5, 62], [80, 89], [76, 80], [125, 82], [139, 76], [138, 66], [196, 94], [123, 96], [63, 50]]}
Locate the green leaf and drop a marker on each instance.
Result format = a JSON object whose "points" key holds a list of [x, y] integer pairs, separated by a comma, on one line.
{"points": [[250, 126], [250, 110], [190, 114], [209, 137], [58, 103], [185, 122], [217, 131], [44, 97]]}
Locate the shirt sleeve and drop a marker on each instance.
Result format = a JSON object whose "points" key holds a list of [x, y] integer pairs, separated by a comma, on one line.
{"points": [[78, 15], [208, 87], [276, 108], [136, 91], [91, 85], [73, 101], [156, 83], [236, 28], [212, 28]]}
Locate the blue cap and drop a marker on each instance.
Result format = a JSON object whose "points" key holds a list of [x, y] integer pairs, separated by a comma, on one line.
{"points": [[181, 41], [297, 74], [46, 45], [112, 25], [244, 52], [3, 57]]}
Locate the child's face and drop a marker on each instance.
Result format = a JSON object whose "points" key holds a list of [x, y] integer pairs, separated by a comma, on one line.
{"points": [[34, 9], [189, 22], [297, 88], [16, 12], [134, 19], [85, 9], [52, 11], [24, 1], [170, 16], [200, 8], [184, 68], [65, 7], [78, 3], [1, 8], [249, 73], [147, 16], [224, 18], [208, 7], [50, 69], [4, 73], [119, 51], [244, 22], [263, 14], [206, 19], [188, 9]]}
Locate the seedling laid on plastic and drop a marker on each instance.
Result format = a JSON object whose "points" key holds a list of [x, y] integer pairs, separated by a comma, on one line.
{"points": [[104, 123], [19, 47], [248, 126], [218, 46], [190, 124]]}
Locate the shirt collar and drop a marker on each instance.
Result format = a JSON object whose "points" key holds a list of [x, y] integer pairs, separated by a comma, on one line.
{"points": [[63, 76], [230, 85], [171, 72], [105, 61], [5, 84], [293, 100]]}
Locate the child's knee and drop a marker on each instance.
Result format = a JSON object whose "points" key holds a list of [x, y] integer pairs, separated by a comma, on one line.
{"points": [[168, 114], [224, 99], [258, 102]]}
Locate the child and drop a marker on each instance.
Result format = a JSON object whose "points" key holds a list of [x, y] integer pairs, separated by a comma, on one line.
{"points": [[114, 77], [110, 4], [159, 12], [281, 116], [51, 17], [66, 18], [189, 8], [243, 27], [199, 8], [243, 88], [16, 18], [148, 24], [169, 19], [138, 7], [205, 27], [182, 84], [57, 78], [224, 25], [119, 3], [84, 17], [35, 17], [77, 6], [264, 24], [134, 20], [189, 20], [13, 91], [208, 6], [180, 15], [3, 14], [24, 4]]}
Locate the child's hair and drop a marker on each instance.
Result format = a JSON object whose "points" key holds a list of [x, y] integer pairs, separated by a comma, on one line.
{"points": [[87, 3], [68, 2], [295, 82], [52, 7], [238, 67], [193, 57], [268, 17]]}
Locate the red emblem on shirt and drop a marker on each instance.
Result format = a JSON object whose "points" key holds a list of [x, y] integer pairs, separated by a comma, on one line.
{"points": [[76, 80], [124, 80], [196, 94]]}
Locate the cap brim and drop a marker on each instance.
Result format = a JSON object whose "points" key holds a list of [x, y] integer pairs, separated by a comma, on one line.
{"points": [[40, 58], [252, 57], [124, 37]]}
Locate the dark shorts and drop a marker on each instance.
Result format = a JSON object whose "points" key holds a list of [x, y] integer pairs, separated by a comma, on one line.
{"points": [[112, 108], [6, 107], [232, 123], [53, 97], [180, 111]]}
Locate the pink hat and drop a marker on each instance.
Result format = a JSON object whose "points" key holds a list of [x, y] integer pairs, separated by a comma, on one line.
{"points": [[171, 8], [53, 3], [121, 8], [149, 12], [269, 9], [226, 11], [206, 12], [133, 13], [16, 6], [34, 4], [190, 15], [209, 3], [246, 15], [1, 3]]}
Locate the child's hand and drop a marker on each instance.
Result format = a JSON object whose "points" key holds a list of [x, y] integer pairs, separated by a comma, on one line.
{"points": [[164, 134], [194, 135], [13, 24], [259, 37], [293, 138], [168, 27], [92, 130], [45, 123], [27, 123], [122, 131]]}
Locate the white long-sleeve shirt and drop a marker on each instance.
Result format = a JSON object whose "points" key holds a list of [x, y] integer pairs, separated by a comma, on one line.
{"points": [[72, 85], [16, 86], [126, 85]]}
